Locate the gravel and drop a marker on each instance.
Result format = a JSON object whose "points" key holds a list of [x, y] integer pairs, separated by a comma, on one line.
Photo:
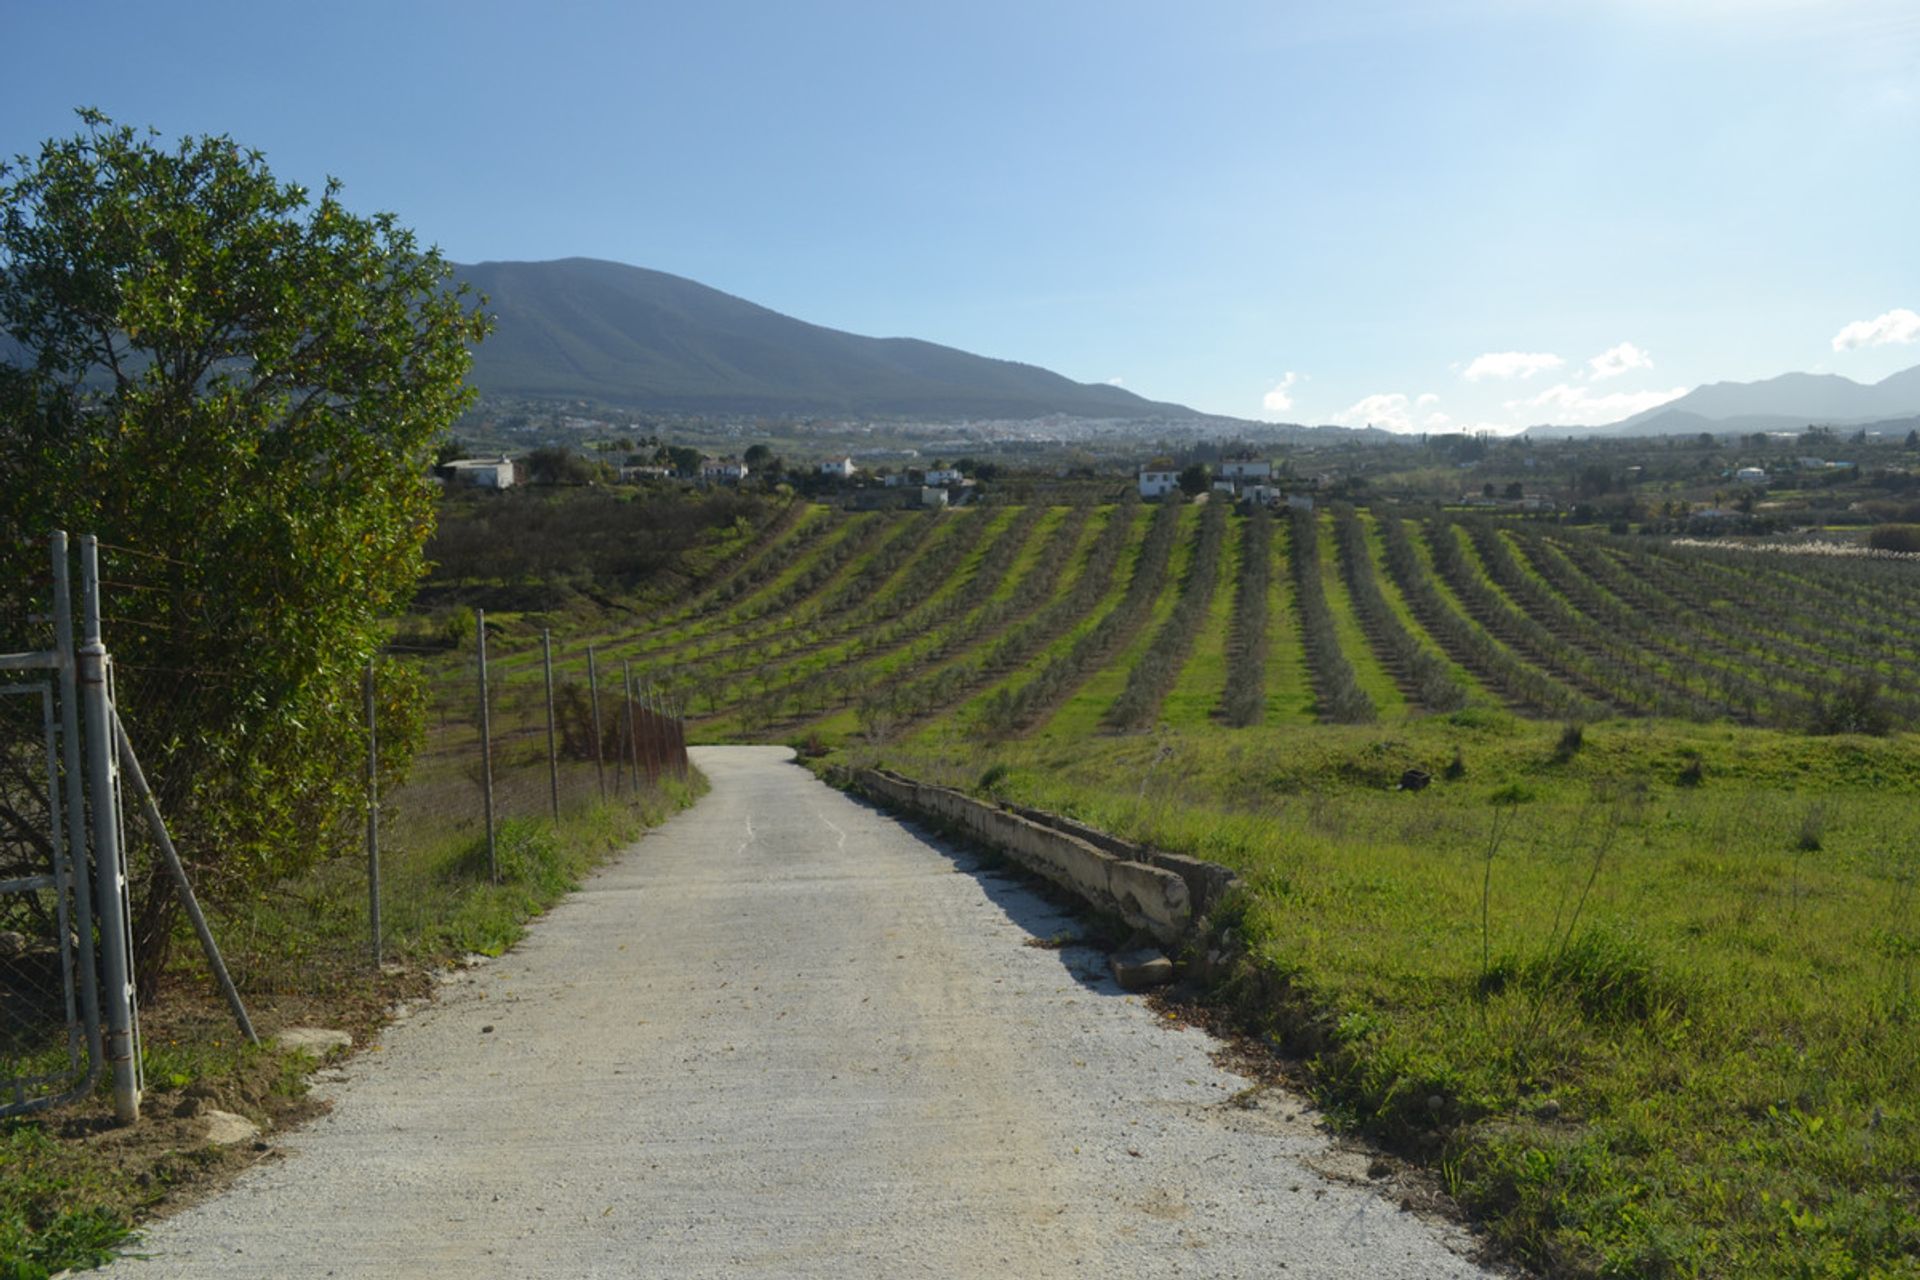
{"points": [[785, 1035]]}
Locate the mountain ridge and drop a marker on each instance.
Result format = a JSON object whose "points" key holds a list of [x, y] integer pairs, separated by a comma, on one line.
{"points": [[1784, 402], [648, 339]]}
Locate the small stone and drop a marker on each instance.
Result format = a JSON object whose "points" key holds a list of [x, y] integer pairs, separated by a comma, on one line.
{"points": [[12, 943], [1141, 969], [224, 1128], [487, 1030], [1549, 1109], [318, 1041]]}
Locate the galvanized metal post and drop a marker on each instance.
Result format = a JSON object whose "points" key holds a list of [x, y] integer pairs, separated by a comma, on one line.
{"points": [[656, 736], [633, 749], [75, 801], [373, 819], [593, 697], [486, 750], [553, 753], [130, 765], [109, 860]]}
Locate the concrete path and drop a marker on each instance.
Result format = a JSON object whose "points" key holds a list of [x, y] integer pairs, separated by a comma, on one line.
{"points": [[785, 1035]]}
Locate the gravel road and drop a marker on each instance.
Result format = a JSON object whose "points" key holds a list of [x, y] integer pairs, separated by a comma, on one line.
{"points": [[785, 1035]]}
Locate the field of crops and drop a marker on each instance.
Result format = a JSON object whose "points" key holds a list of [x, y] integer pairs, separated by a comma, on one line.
{"points": [[1637, 974], [1028, 620]]}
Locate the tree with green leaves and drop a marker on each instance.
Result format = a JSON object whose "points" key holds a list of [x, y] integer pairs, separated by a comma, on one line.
{"points": [[241, 386]]}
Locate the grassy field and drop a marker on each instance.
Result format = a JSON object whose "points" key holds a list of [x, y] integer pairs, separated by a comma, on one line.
{"points": [[1647, 1001]]}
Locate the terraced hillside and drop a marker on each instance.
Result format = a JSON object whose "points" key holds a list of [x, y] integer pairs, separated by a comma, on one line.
{"points": [[1069, 621]]}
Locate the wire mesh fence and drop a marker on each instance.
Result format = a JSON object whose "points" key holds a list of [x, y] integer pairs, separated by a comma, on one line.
{"points": [[332, 818]]}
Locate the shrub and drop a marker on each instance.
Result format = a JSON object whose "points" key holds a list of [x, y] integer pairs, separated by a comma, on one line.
{"points": [[1894, 537]]}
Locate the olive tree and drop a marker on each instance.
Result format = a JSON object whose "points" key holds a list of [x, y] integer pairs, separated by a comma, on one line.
{"points": [[241, 386]]}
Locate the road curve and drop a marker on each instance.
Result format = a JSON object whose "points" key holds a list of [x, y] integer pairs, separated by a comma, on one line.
{"points": [[785, 1035]]}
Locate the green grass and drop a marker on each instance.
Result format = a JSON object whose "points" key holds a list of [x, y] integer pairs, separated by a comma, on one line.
{"points": [[67, 1203], [1655, 1033]]}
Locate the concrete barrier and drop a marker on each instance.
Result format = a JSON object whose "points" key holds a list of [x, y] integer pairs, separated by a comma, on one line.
{"points": [[1151, 891]]}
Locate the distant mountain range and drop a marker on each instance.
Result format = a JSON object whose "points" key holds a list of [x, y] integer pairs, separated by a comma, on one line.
{"points": [[624, 335], [1790, 402]]}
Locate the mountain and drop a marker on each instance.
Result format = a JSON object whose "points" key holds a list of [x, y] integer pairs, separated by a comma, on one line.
{"points": [[580, 327], [1789, 402]]}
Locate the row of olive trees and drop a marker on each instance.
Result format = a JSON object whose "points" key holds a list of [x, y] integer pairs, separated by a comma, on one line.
{"points": [[1426, 678], [1465, 641], [1012, 710], [1152, 676], [1337, 687], [1245, 699]]}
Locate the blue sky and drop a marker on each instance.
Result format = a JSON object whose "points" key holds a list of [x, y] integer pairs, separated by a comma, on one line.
{"points": [[1433, 215]]}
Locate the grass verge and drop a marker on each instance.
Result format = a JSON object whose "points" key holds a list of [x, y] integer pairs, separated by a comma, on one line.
{"points": [[1649, 1007], [73, 1187]]}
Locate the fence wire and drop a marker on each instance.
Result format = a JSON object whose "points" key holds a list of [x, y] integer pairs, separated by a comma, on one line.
{"points": [[270, 812]]}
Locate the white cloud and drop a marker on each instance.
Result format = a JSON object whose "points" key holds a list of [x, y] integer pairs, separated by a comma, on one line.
{"points": [[1899, 325], [1511, 364], [1389, 410], [1618, 360], [1116, 382], [1437, 421], [1567, 405], [1427, 399], [1280, 399]]}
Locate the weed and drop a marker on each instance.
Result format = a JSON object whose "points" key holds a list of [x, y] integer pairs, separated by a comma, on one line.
{"points": [[1693, 773], [1813, 829]]}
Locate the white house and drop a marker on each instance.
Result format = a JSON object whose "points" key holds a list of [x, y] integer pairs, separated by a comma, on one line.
{"points": [[640, 471], [930, 497], [723, 470], [939, 476], [1750, 475], [839, 468], [1245, 468], [1157, 481], [483, 473]]}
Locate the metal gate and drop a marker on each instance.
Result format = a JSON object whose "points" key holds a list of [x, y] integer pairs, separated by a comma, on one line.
{"points": [[66, 996]]}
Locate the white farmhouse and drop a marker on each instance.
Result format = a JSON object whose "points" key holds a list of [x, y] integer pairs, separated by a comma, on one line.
{"points": [[723, 470], [838, 468], [1245, 468], [482, 473], [1750, 475], [939, 476], [1158, 479]]}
